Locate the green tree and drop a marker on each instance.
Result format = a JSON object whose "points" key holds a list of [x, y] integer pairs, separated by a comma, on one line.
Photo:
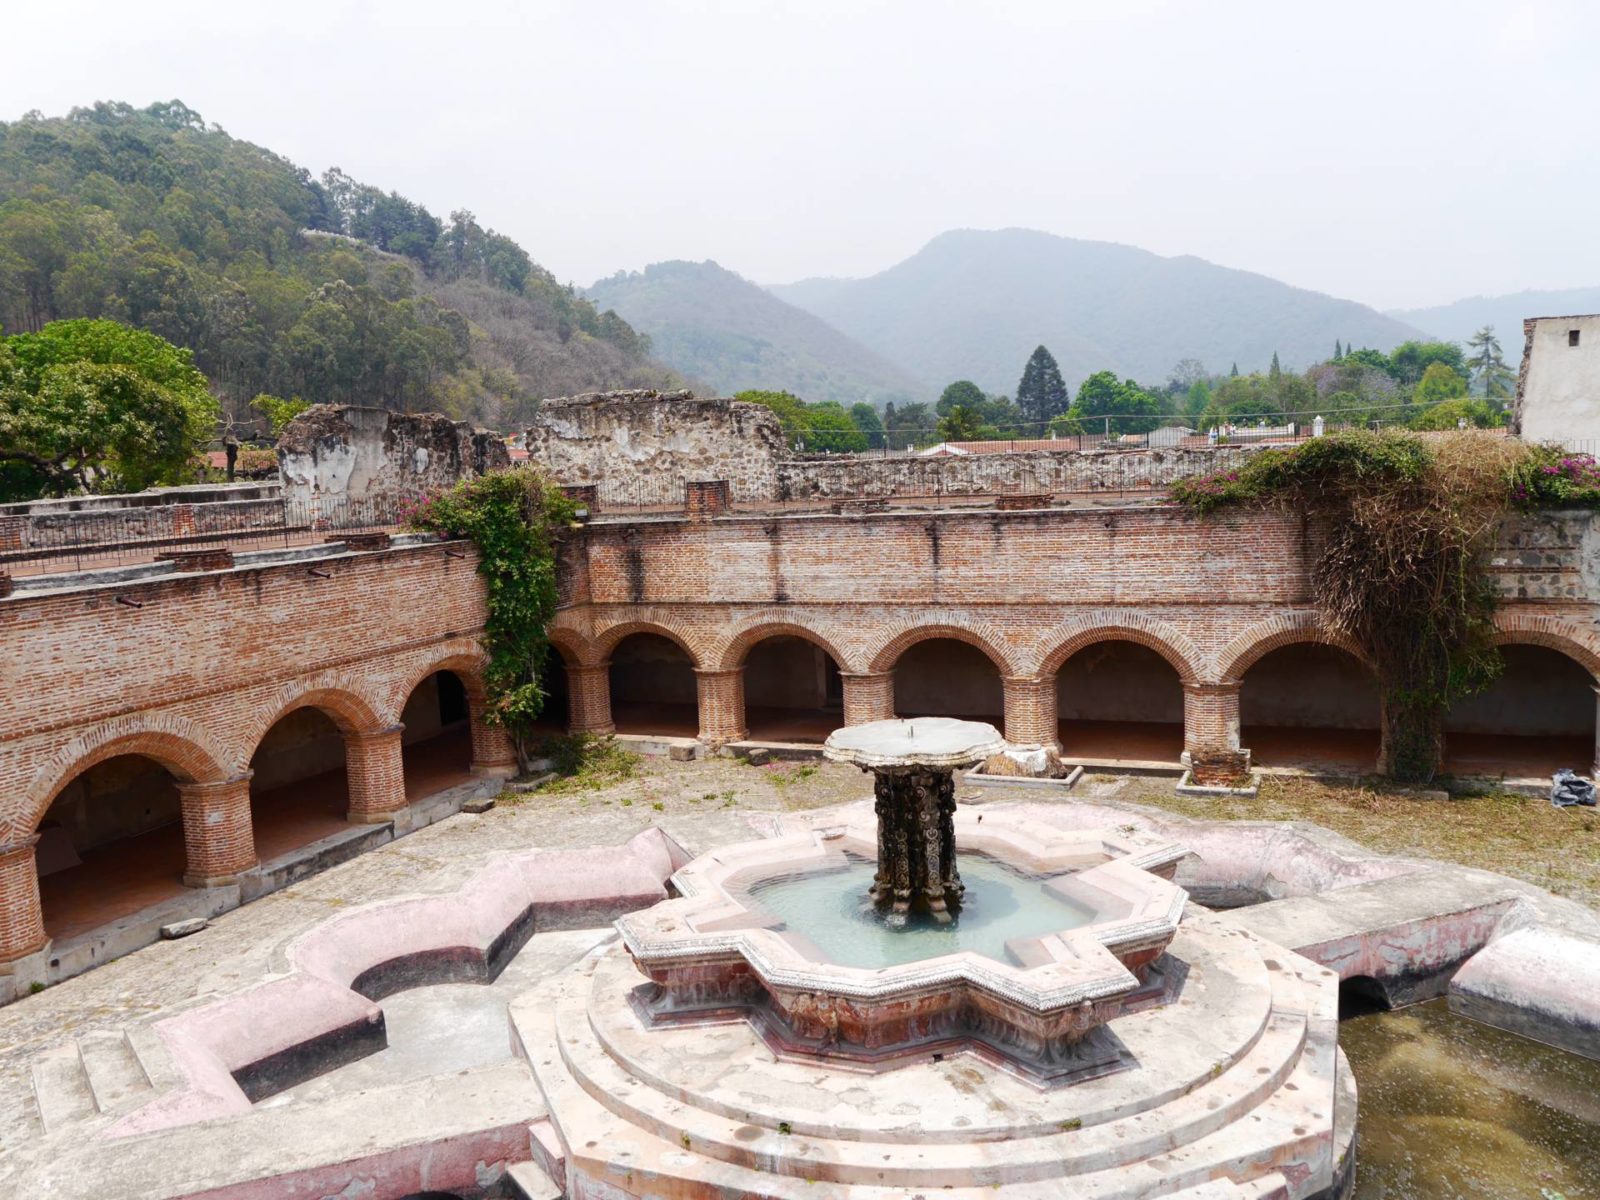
{"points": [[866, 419], [909, 425], [1439, 382], [963, 393], [1409, 361], [1449, 414], [1489, 370], [1128, 406], [791, 411], [278, 411], [831, 430], [1041, 394], [960, 424]]}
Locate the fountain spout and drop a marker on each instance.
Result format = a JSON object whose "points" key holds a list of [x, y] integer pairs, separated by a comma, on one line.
{"points": [[915, 802]]}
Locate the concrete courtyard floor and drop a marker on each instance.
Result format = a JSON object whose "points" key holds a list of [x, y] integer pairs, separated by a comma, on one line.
{"points": [[702, 804]]}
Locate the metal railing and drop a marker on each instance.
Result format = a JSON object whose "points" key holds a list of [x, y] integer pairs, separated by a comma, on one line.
{"points": [[112, 539]]}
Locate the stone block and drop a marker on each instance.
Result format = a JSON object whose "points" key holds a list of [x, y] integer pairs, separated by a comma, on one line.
{"points": [[182, 929]]}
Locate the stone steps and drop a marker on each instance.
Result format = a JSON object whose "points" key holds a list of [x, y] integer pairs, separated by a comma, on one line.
{"points": [[570, 1056], [95, 1074]]}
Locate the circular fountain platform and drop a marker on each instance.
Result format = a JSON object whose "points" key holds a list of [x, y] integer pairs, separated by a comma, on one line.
{"points": [[1217, 1074]]}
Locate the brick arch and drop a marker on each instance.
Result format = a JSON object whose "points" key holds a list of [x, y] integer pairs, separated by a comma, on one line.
{"points": [[575, 649], [904, 635], [606, 639], [1171, 643], [462, 656], [1527, 629], [738, 647], [338, 696], [1288, 629], [183, 747]]}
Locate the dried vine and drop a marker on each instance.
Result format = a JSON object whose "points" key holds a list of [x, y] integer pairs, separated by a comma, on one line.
{"points": [[1407, 525]]}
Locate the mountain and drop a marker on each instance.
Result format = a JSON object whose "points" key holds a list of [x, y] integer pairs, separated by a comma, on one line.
{"points": [[714, 325], [973, 304], [1459, 321], [328, 289]]}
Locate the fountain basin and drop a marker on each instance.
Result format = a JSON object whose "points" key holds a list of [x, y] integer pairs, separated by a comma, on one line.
{"points": [[1031, 995]]}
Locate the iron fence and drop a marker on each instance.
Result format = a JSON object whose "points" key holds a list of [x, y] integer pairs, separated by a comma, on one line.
{"points": [[84, 541]]}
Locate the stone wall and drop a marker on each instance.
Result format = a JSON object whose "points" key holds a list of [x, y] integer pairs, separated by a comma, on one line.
{"points": [[1043, 471], [334, 454], [641, 447]]}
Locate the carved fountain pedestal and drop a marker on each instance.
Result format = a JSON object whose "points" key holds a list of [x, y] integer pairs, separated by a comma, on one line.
{"points": [[913, 763]]}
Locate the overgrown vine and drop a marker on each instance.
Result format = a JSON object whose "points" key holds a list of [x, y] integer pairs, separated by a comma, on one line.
{"points": [[515, 519], [1405, 526]]}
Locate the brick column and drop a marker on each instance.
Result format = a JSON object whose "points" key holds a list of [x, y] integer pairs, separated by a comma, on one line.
{"points": [[375, 774], [868, 696], [218, 842], [21, 917], [1031, 711], [1211, 724], [494, 754], [1594, 771], [589, 699], [721, 706]]}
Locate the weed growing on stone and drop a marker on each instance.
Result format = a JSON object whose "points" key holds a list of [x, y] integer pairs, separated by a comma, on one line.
{"points": [[585, 762]]}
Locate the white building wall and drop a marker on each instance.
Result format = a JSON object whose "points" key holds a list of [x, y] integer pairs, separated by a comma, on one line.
{"points": [[1558, 391]]}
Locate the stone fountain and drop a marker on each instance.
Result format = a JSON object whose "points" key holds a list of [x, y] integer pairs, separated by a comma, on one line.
{"points": [[834, 1009], [913, 764]]}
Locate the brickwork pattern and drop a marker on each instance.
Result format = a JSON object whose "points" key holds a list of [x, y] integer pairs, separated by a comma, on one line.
{"points": [[1030, 703], [589, 699], [218, 842], [375, 773], [21, 917], [721, 695]]}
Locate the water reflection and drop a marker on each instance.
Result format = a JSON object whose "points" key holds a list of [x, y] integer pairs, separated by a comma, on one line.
{"points": [[1454, 1110]]}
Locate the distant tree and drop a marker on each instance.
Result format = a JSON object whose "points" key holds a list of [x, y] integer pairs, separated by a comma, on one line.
{"points": [[909, 425], [963, 393], [1042, 393], [1128, 406], [866, 419], [278, 411], [1410, 360], [960, 424], [1197, 399], [1449, 414], [830, 429], [1186, 374], [1440, 382], [93, 405], [1338, 350], [1274, 371], [1233, 371], [1489, 370]]}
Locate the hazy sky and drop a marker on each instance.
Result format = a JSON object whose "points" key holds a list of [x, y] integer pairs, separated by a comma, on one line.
{"points": [[1398, 153]]}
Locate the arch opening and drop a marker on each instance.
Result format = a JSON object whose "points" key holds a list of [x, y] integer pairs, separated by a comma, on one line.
{"points": [[110, 844], [436, 747], [1120, 701], [792, 691], [1536, 718], [556, 716], [1361, 996], [944, 677], [653, 688], [299, 787], [1312, 706]]}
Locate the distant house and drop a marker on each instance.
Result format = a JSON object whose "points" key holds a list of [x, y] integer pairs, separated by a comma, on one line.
{"points": [[1170, 435]]}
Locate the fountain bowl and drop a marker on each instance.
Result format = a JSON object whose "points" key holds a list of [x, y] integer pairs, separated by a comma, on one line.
{"points": [[714, 950]]}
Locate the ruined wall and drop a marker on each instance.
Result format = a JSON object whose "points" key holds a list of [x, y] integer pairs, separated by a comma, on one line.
{"points": [[642, 446], [334, 454], [845, 477]]}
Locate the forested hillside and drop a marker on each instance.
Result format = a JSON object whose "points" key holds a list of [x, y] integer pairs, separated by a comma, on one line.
{"points": [[718, 327], [327, 289], [972, 304]]}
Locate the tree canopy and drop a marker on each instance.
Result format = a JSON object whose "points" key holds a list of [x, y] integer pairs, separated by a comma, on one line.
{"points": [[93, 405], [1041, 393]]}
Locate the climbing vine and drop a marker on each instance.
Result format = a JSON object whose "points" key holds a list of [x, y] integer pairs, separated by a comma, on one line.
{"points": [[1404, 526], [515, 518]]}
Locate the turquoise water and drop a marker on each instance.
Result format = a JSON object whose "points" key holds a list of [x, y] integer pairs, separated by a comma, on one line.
{"points": [[833, 910]]}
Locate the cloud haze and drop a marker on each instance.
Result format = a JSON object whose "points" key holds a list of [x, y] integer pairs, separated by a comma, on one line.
{"points": [[1398, 154]]}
